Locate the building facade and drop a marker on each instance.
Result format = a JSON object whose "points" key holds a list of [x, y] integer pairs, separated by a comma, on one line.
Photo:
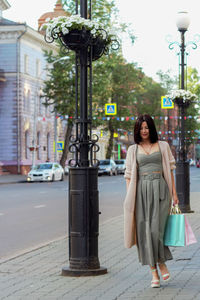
{"points": [[26, 125]]}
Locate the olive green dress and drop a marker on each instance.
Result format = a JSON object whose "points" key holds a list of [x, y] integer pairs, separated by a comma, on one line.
{"points": [[152, 208]]}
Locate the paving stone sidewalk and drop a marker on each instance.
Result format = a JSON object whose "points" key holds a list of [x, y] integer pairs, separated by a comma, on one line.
{"points": [[37, 274]]}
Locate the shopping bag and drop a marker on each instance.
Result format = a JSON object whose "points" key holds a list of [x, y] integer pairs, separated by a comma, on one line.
{"points": [[175, 231], [189, 234]]}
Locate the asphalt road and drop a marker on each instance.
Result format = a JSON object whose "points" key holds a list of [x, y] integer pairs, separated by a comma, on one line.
{"points": [[32, 214]]}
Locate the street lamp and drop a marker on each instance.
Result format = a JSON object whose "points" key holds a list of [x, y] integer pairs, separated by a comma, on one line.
{"points": [[182, 166], [83, 173]]}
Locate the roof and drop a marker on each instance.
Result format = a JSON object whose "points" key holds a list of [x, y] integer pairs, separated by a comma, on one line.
{"points": [[4, 21], [4, 5]]}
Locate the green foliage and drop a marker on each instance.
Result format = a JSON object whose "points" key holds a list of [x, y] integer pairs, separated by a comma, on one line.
{"points": [[59, 90], [191, 124], [101, 10], [193, 85], [167, 81]]}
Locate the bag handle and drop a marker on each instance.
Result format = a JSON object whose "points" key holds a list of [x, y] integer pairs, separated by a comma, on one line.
{"points": [[175, 210]]}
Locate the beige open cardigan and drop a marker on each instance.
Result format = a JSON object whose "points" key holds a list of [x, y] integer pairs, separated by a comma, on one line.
{"points": [[168, 163]]}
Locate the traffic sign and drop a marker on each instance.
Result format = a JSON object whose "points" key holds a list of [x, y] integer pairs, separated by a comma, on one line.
{"points": [[59, 146], [111, 109], [166, 103]]}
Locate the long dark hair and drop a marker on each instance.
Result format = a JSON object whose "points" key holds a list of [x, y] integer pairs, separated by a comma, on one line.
{"points": [[151, 125]]}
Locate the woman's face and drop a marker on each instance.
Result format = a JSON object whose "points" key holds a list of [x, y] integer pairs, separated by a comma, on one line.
{"points": [[144, 131]]}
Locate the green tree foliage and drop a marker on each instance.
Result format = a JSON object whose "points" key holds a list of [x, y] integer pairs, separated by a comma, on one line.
{"points": [[125, 80], [168, 83], [191, 124], [59, 92]]}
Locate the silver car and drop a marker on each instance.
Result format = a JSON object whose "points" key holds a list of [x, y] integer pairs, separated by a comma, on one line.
{"points": [[120, 165], [46, 172], [107, 166]]}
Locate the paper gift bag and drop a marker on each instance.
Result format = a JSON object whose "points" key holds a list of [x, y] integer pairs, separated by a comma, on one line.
{"points": [[175, 231], [189, 235]]}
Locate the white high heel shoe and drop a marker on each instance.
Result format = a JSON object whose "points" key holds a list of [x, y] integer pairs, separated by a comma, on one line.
{"points": [[166, 277], [155, 283]]}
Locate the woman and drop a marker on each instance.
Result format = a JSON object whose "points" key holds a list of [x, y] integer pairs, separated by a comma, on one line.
{"points": [[150, 188]]}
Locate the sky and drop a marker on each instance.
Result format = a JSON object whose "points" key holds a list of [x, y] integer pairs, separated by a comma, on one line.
{"points": [[151, 20]]}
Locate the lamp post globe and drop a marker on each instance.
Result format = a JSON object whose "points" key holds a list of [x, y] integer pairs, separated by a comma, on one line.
{"points": [[183, 21]]}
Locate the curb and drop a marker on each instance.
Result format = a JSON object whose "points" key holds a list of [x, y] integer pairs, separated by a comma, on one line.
{"points": [[31, 249], [13, 182]]}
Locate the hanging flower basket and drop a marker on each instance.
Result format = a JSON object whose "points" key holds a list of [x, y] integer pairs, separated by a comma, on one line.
{"points": [[98, 48], [76, 33], [182, 97], [76, 39]]}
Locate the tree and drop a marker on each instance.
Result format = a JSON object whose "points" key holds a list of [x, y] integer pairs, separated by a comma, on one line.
{"points": [[191, 124], [168, 83], [125, 81], [59, 92]]}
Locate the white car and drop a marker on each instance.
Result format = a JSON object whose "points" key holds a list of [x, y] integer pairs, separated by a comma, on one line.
{"points": [[46, 172]]}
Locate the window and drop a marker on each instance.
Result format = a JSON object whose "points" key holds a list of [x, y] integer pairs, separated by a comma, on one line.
{"points": [[39, 104], [38, 68], [48, 147], [27, 151], [46, 107], [26, 62], [28, 100], [38, 145], [25, 100]]}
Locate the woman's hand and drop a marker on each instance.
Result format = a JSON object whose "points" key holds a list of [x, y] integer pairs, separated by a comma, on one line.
{"points": [[175, 200]]}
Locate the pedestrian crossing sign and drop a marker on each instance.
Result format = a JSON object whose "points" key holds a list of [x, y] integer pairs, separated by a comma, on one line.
{"points": [[59, 146], [166, 103], [111, 109]]}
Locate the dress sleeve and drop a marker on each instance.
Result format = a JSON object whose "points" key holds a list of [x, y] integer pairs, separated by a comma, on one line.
{"points": [[171, 158], [128, 164]]}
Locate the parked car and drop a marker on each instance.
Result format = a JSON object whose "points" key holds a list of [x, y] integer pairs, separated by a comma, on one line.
{"points": [[66, 169], [46, 172], [120, 165], [107, 166]]}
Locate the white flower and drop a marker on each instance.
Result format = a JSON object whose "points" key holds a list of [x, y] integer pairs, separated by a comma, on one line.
{"points": [[182, 94], [64, 24], [65, 31]]}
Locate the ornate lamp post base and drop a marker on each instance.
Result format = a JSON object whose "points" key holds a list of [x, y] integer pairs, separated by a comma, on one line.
{"points": [[83, 223], [67, 271]]}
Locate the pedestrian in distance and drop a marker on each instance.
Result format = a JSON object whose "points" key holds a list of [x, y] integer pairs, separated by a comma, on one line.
{"points": [[198, 163], [150, 190]]}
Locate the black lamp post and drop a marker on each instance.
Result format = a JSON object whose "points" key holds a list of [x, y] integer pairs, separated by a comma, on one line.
{"points": [[83, 177], [83, 174], [182, 166]]}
